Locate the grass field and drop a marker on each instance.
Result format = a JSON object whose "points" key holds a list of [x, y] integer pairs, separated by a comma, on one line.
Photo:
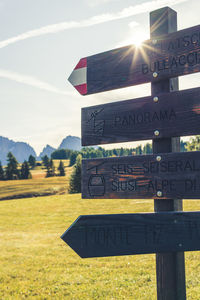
{"points": [[38, 185], [37, 264]]}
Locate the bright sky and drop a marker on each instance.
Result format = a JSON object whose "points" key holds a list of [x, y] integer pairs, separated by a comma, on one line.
{"points": [[41, 41]]}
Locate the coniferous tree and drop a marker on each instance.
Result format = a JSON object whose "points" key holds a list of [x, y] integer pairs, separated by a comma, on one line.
{"points": [[147, 149], [12, 171], [138, 150], [45, 161], [25, 172], [61, 169], [72, 159], [50, 169], [2, 175], [183, 146], [32, 161], [75, 179]]}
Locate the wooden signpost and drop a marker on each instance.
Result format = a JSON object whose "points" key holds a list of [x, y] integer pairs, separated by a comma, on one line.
{"points": [[127, 234], [164, 115], [164, 176], [166, 56]]}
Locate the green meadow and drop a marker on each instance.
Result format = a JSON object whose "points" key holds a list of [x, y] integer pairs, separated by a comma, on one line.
{"points": [[37, 264]]}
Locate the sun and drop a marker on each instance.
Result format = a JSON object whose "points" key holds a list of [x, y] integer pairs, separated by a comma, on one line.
{"points": [[135, 38], [138, 42], [138, 38]]}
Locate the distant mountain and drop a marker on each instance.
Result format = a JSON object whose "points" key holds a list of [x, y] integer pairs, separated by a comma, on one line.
{"points": [[20, 150], [46, 151], [71, 142]]}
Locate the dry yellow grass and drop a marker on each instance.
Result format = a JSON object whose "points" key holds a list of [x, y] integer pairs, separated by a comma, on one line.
{"points": [[38, 185], [37, 264]]}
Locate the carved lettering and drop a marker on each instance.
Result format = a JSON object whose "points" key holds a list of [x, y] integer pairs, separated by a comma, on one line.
{"points": [[172, 62], [123, 186], [134, 119], [109, 237], [153, 234], [172, 166]]}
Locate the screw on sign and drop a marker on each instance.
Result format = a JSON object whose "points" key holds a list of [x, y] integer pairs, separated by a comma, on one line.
{"points": [[163, 176], [166, 176], [173, 54], [160, 116]]}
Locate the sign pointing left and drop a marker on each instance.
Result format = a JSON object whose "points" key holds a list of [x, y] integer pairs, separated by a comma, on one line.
{"points": [[171, 55], [127, 234], [78, 77]]}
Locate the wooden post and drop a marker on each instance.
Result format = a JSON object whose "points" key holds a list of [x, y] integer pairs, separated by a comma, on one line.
{"points": [[170, 267]]}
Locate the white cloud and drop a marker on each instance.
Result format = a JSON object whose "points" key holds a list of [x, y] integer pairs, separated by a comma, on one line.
{"points": [[32, 81], [124, 13]]}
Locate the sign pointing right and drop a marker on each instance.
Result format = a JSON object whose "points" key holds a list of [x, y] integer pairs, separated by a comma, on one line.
{"points": [[171, 55]]}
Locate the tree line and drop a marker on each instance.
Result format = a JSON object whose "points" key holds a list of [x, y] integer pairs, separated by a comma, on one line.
{"points": [[91, 152], [14, 171]]}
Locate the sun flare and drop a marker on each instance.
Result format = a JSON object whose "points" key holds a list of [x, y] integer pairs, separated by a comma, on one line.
{"points": [[138, 43], [138, 39]]}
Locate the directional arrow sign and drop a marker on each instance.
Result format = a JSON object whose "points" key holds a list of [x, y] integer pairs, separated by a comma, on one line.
{"points": [[169, 175], [127, 234], [172, 114], [171, 55]]}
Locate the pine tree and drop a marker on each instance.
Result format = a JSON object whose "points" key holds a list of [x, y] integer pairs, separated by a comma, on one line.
{"points": [[12, 167], [138, 150], [2, 175], [75, 179], [61, 169], [147, 149], [32, 161], [48, 172], [45, 161], [50, 169], [25, 172], [72, 159]]}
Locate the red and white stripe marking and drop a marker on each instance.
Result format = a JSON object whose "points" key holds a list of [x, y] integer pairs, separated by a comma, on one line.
{"points": [[78, 77]]}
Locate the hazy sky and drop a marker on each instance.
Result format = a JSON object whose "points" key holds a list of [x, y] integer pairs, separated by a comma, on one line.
{"points": [[41, 41]]}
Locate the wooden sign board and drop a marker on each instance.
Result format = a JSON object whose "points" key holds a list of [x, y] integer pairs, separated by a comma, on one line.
{"points": [[168, 56], [172, 114], [127, 234], [164, 176]]}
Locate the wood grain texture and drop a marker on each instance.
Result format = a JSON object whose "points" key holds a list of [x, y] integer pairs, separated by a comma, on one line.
{"points": [[176, 175], [174, 114], [170, 55], [170, 267], [128, 234]]}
